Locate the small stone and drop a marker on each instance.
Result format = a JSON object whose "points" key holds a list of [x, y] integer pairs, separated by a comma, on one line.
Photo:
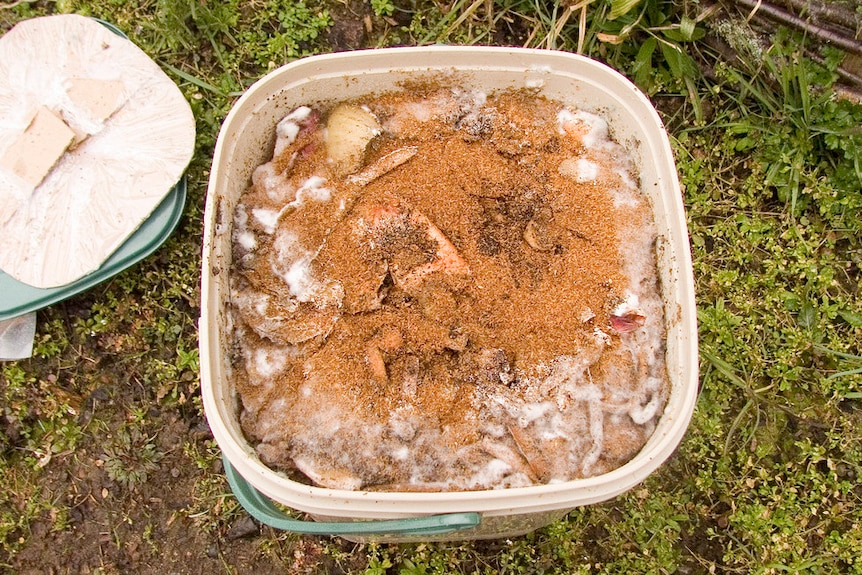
{"points": [[244, 527]]}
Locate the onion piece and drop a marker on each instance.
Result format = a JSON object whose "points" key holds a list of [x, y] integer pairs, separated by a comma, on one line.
{"points": [[349, 129]]}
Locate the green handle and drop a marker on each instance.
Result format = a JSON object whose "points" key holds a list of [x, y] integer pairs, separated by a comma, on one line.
{"points": [[262, 509]]}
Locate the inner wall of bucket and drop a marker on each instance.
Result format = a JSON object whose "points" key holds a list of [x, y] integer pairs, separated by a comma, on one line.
{"points": [[247, 141]]}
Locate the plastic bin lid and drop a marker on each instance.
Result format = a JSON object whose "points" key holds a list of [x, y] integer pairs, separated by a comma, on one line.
{"points": [[93, 135], [20, 298]]}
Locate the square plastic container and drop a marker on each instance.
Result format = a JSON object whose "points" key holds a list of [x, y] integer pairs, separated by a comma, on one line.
{"points": [[246, 141]]}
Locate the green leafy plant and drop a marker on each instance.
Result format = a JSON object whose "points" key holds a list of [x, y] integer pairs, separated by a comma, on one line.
{"points": [[661, 61], [130, 456], [383, 7], [802, 133]]}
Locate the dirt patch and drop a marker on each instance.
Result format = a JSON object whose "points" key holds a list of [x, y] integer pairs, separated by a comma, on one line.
{"points": [[116, 523]]}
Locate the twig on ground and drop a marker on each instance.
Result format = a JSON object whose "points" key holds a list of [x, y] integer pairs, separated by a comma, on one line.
{"points": [[846, 76], [835, 14], [847, 44]]}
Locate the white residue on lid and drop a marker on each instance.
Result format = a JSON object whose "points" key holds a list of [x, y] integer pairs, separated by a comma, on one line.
{"points": [[534, 83]]}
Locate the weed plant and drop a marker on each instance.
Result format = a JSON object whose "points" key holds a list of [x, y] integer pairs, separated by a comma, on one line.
{"points": [[770, 159]]}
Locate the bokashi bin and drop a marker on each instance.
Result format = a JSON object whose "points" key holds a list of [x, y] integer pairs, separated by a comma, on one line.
{"points": [[247, 140]]}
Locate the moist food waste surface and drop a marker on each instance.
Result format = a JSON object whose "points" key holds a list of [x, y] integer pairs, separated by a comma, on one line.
{"points": [[438, 289]]}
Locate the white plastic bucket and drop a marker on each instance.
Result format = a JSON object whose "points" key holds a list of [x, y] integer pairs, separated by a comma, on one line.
{"points": [[246, 141]]}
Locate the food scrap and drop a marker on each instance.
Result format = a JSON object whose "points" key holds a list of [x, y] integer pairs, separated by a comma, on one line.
{"points": [[441, 289]]}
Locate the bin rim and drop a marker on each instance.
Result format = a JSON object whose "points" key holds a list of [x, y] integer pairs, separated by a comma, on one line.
{"points": [[328, 502]]}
